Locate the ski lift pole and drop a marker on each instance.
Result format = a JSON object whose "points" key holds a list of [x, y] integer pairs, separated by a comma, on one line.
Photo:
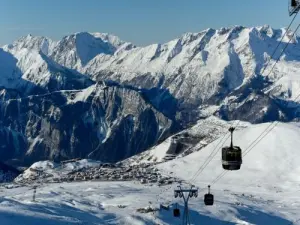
{"points": [[181, 193], [34, 193]]}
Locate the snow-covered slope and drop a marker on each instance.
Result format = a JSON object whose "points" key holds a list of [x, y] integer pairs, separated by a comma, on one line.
{"points": [[117, 203], [10, 74], [272, 163], [185, 142], [264, 191]]}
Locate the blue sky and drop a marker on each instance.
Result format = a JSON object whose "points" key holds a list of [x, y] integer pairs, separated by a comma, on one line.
{"points": [[139, 21]]}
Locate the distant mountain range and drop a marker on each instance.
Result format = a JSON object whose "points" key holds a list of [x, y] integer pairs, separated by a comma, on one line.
{"points": [[92, 95]]}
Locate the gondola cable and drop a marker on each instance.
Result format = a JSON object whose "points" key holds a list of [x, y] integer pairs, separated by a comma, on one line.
{"points": [[209, 159], [280, 42], [214, 152], [256, 141], [248, 149]]}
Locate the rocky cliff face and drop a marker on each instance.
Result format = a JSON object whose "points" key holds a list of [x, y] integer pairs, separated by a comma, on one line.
{"points": [[105, 122]]}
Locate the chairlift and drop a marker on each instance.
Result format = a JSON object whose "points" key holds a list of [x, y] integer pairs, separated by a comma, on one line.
{"points": [[175, 194], [195, 194], [176, 211], [191, 194], [208, 198], [232, 155]]}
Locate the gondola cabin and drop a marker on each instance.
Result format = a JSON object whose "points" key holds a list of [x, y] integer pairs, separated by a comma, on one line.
{"points": [[294, 6], [231, 156], [293, 3], [176, 213], [208, 198]]}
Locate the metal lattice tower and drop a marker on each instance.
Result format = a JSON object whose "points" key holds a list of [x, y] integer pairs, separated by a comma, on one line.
{"points": [[186, 194]]}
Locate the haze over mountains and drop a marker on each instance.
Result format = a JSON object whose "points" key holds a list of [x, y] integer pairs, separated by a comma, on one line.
{"points": [[92, 95]]}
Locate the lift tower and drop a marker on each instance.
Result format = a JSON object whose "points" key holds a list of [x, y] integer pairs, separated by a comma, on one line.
{"points": [[186, 194]]}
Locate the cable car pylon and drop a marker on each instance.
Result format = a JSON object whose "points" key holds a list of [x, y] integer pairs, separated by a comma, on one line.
{"points": [[186, 194]]}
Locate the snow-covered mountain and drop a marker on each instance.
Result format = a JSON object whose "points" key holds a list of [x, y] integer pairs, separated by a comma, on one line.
{"points": [[198, 67], [30, 42], [92, 95], [193, 77], [76, 51], [29, 71]]}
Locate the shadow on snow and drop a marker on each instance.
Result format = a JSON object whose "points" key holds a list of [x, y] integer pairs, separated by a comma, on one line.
{"points": [[249, 215]]}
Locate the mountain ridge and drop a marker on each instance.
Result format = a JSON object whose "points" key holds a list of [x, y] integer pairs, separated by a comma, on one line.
{"points": [[216, 72]]}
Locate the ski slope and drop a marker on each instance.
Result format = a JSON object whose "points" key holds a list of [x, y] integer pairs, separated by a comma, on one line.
{"points": [[202, 133], [264, 191], [273, 162], [92, 203]]}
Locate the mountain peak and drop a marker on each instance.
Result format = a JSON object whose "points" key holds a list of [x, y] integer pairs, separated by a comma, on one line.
{"points": [[28, 36], [34, 43], [76, 50], [111, 38]]}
